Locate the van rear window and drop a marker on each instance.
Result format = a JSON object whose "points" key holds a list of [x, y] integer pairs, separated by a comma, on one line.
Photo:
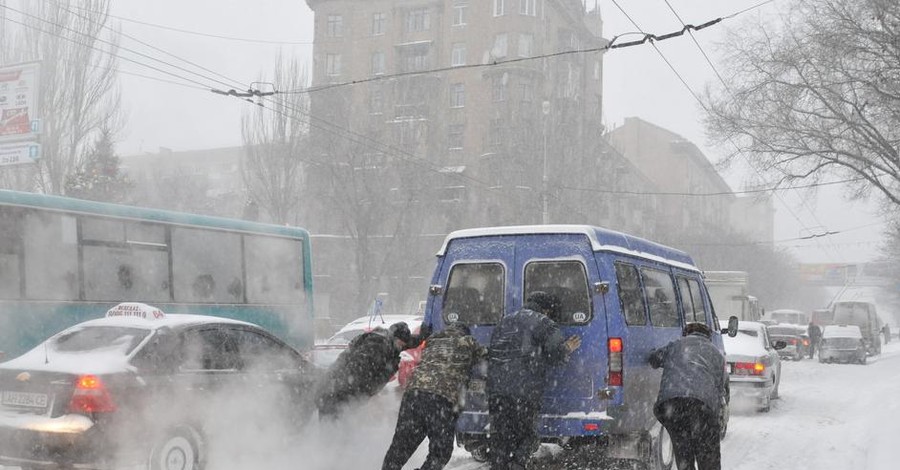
{"points": [[567, 281], [475, 294]]}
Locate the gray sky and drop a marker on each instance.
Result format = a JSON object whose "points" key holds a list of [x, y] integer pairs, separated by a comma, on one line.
{"points": [[637, 83]]}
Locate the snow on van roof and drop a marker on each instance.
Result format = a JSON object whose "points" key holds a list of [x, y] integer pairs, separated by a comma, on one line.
{"points": [[601, 240]]}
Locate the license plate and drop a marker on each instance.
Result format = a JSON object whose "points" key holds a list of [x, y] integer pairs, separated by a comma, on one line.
{"points": [[476, 386], [31, 400]]}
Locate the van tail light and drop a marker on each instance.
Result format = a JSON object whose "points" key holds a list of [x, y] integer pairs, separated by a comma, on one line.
{"points": [[749, 368], [615, 362], [91, 396]]}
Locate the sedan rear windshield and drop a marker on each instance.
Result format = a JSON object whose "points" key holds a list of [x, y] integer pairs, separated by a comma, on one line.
{"points": [[100, 337]]}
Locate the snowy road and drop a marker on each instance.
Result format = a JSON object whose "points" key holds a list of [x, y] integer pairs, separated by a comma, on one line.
{"points": [[829, 417]]}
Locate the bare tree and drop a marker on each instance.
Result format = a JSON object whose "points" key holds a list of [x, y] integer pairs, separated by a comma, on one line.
{"points": [[78, 73], [276, 144], [817, 94]]}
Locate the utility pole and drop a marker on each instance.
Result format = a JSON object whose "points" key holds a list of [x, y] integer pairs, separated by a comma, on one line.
{"points": [[545, 186]]}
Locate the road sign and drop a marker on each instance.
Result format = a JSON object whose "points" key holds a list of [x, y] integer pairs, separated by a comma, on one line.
{"points": [[18, 153], [19, 89]]}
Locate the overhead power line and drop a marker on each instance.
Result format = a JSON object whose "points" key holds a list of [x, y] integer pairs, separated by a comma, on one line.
{"points": [[198, 33], [613, 44], [712, 194]]}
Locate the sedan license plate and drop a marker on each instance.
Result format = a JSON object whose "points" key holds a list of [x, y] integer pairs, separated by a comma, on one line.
{"points": [[30, 400], [476, 386]]}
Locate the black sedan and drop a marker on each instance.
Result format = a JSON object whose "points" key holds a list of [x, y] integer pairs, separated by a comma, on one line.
{"points": [[142, 387]]}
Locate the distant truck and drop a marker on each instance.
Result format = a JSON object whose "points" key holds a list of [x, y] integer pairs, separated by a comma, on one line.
{"points": [[728, 291]]}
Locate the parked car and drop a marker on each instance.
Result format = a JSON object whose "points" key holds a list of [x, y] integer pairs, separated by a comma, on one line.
{"points": [[786, 315], [754, 366], [842, 343], [795, 338], [143, 387], [324, 355]]}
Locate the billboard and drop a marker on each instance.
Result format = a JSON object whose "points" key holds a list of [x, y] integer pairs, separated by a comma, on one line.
{"points": [[19, 92], [14, 153]]}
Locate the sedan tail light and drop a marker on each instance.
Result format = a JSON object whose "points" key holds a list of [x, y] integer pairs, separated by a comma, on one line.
{"points": [[91, 396], [749, 368]]}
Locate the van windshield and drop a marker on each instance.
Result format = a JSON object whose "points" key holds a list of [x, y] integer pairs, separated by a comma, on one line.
{"points": [[475, 294]]}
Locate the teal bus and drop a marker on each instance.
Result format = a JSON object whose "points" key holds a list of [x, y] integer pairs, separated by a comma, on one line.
{"points": [[64, 260]]}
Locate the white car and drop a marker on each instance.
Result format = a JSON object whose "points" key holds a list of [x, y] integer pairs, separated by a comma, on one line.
{"points": [[754, 368], [326, 353], [842, 343]]}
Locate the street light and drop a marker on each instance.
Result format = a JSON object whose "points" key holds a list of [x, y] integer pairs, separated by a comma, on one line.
{"points": [[545, 187]]}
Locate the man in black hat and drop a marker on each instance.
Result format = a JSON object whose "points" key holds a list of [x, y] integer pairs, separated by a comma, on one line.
{"points": [[523, 346], [691, 396], [366, 366]]}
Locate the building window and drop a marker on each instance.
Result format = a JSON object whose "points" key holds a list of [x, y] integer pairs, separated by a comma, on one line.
{"points": [[526, 45], [378, 63], [416, 62], [376, 101], [332, 65], [457, 95], [528, 7], [335, 26], [455, 135], [501, 46], [499, 7], [495, 133], [459, 55], [418, 20], [527, 90], [459, 13], [498, 88], [378, 23]]}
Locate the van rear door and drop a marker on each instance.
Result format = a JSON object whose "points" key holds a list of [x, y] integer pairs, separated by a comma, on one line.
{"points": [[562, 265]]}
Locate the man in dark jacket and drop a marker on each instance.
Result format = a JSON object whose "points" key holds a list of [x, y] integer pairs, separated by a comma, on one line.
{"points": [[691, 396], [523, 346], [815, 336], [364, 368], [430, 405]]}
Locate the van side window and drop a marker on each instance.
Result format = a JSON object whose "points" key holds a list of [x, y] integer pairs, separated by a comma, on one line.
{"points": [[475, 294], [660, 292], [691, 302], [631, 298], [567, 280], [697, 296]]}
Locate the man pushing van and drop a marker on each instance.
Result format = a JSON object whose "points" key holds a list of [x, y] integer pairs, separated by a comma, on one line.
{"points": [[523, 345], [690, 396]]}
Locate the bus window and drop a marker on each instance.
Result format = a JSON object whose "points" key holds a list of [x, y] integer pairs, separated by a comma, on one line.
{"points": [[206, 266], [475, 294], [10, 250], [51, 256], [567, 280], [274, 270], [116, 269], [660, 293]]}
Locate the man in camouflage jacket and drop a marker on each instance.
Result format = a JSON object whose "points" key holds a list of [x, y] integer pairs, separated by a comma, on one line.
{"points": [[430, 405]]}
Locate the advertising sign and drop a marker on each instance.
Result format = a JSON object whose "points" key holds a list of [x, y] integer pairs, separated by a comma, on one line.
{"points": [[19, 90], [20, 152]]}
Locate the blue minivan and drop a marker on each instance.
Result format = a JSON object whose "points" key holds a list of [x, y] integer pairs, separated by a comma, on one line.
{"points": [[623, 295]]}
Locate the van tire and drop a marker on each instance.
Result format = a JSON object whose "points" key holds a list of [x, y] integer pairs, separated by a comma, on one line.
{"points": [[663, 457]]}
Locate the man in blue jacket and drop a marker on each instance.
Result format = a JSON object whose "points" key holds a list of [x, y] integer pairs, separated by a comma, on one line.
{"points": [[523, 346], [691, 395]]}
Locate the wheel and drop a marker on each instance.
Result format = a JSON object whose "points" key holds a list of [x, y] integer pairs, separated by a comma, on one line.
{"points": [[663, 457], [767, 404], [775, 394], [480, 453], [863, 360], [180, 449]]}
